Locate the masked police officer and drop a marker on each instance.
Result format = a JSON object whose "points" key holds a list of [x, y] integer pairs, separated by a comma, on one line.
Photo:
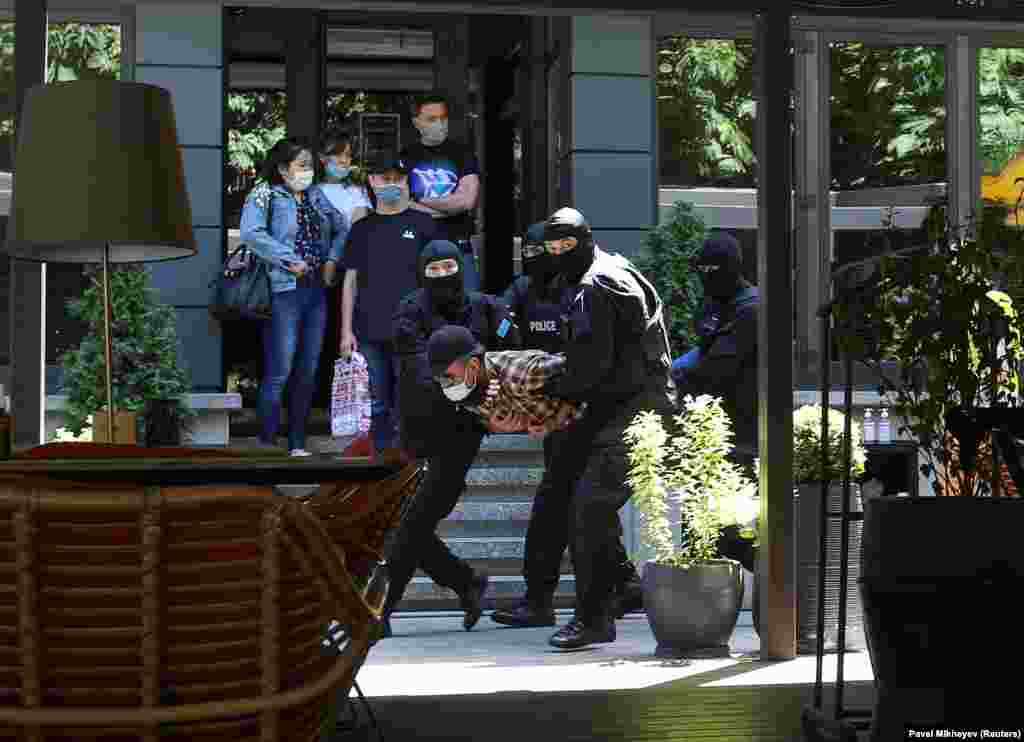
{"points": [[618, 359], [537, 307], [724, 364], [433, 428]]}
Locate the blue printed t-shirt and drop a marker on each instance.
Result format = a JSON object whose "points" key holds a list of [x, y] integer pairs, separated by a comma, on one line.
{"points": [[435, 172], [384, 250]]}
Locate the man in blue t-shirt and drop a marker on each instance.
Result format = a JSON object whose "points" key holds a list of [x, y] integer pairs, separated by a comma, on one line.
{"points": [[444, 179], [380, 268]]}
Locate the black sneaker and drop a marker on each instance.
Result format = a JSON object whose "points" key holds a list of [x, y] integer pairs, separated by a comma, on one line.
{"points": [[472, 600], [576, 634], [525, 615]]}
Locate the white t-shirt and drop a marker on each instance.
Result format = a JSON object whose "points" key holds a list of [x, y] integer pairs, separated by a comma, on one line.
{"points": [[346, 198]]}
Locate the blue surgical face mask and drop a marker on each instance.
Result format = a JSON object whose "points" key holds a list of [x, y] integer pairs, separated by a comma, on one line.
{"points": [[335, 170], [389, 194]]}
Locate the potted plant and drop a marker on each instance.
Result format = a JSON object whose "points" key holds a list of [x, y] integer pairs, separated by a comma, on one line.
{"points": [[244, 379], [807, 479], [692, 594], [931, 566], [148, 380]]}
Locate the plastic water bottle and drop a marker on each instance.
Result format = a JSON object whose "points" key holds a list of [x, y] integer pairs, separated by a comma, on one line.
{"points": [[870, 431], [884, 428]]}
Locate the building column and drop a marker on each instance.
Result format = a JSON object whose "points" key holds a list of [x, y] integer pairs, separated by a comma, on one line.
{"points": [[777, 553], [179, 47], [813, 199], [611, 149], [304, 66], [27, 307]]}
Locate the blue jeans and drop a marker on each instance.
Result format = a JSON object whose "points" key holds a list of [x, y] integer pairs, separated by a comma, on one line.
{"points": [[383, 369], [683, 364], [470, 275], [292, 341]]}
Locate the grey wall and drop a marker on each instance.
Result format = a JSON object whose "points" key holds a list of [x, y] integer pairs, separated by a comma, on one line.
{"points": [[178, 46], [612, 128]]}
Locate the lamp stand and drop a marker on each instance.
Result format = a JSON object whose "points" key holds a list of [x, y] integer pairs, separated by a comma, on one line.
{"points": [[107, 342]]}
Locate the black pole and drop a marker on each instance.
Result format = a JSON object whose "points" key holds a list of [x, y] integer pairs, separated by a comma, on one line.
{"points": [[826, 383], [844, 547]]}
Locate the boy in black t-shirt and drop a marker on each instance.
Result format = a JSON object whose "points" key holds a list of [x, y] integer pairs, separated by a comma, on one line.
{"points": [[380, 268], [444, 179]]}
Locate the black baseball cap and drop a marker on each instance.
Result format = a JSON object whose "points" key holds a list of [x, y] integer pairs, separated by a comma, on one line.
{"points": [[449, 344], [387, 161]]}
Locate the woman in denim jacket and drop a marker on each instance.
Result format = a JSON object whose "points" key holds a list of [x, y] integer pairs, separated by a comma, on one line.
{"points": [[302, 243]]}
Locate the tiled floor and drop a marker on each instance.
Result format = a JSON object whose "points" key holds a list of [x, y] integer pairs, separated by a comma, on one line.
{"points": [[433, 680]]}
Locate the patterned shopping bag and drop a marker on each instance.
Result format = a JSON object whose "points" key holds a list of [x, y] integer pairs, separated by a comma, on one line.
{"points": [[350, 397]]}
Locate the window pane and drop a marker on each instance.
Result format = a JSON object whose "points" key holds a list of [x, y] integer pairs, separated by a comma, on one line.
{"points": [[1001, 141], [888, 145], [706, 112], [888, 116], [256, 120], [706, 117]]}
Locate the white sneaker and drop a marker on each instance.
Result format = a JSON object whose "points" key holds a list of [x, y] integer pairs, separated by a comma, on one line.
{"points": [[299, 453]]}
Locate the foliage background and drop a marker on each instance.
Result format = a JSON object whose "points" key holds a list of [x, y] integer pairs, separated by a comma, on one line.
{"points": [[665, 261]]}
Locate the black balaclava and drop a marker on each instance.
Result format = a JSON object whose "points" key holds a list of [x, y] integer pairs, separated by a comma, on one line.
{"points": [[539, 268], [720, 263], [446, 294], [564, 223]]}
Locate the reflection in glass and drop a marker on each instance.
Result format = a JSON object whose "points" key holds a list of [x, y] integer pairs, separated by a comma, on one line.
{"points": [[888, 115], [1001, 128], [706, 112]]}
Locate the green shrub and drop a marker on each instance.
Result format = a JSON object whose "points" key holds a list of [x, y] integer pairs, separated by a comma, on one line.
{"points": [[144, 361], [690, 467], [665, 261], [807, 446]]}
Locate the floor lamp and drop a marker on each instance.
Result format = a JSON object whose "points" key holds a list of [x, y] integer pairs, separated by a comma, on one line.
{"points": [[98, 179]]}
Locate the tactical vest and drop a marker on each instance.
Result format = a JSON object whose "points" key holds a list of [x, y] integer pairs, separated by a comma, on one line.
{"points": [[541, 324]]}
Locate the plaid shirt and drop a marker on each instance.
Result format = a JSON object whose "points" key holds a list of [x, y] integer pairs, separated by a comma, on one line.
{"points": [[521, 375]]}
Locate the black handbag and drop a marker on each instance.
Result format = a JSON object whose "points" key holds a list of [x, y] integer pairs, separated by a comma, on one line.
{"points": [[242, 289]]}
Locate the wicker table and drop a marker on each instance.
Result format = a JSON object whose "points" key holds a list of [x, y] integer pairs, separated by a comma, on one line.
{"points": [[178, 597], [207, 469]]}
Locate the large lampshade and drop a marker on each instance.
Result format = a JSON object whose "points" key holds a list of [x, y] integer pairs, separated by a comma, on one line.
{"points": [[97, 164]]}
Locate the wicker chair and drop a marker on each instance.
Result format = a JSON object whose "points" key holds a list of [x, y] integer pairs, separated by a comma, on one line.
{"points": [[359, 517], [183, 613]]}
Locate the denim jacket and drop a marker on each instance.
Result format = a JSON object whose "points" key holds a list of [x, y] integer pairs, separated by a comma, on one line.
{"points": [[277, 246]]}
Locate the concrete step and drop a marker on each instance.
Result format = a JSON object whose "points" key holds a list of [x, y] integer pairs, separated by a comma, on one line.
{"points": [[504, 592]]}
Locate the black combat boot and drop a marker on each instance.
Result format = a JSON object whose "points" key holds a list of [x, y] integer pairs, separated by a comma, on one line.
{"points": [[472, 600], [526, 614]]}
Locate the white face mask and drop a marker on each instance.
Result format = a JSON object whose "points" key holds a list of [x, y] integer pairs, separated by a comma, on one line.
{"points": [[458, 392], [434, 133], [301, 181]]}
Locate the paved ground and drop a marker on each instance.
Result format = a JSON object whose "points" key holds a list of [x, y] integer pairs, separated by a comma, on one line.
{"points": [[431, 655], [434, 681]]}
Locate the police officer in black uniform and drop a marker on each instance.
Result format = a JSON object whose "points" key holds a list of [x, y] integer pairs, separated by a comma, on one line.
{"points": [[434, 429], [538, 310], [618, 359]]}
